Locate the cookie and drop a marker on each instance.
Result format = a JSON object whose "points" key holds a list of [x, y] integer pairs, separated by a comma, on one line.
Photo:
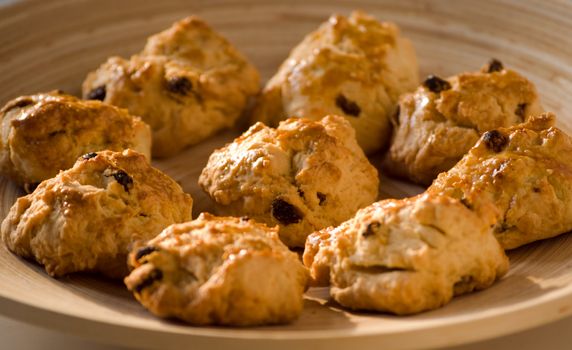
{"points": [[219, 271], [352, 66], [406, 256], [443, 119], [88, 217], [303, 176], [44, 133], [523, 174], [188, 83]]}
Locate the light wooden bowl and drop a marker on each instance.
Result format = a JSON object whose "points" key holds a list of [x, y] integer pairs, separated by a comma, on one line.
{"points": [[53, 44]]}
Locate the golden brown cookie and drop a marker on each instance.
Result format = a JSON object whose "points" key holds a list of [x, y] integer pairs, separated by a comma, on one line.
{"points": [[44, 133], [352, 66], [88, 217], [188, 83], [304, 175], [219, 271], [524, 174], [406, 256], [443, 119]]}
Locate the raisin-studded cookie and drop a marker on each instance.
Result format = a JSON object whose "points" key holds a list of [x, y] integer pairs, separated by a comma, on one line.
{"points": [[523, 173], [352, 66], [187, 83], [221, 271], [87, 217], [304, 175], [406, 256], [443, 119], [45, 133]]}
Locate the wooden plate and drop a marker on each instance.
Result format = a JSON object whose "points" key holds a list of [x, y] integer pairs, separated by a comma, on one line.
{"points": [[52, 44]]}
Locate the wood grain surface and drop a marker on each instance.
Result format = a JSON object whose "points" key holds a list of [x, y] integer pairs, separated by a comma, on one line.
{"points": [[53, 44]]}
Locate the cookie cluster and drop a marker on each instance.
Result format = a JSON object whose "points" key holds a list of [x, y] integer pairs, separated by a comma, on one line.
{"points": [[297, 179]]}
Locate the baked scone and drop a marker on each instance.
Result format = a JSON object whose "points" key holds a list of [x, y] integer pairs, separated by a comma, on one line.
{"points": [[219, 271], [523, 173], [305, 175], [439, 123], [406, 256], [88, 217], [44, 133], [352, 66], [188, 83]]}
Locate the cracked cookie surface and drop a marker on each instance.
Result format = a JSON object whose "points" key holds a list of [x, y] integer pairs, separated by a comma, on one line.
{"points": [[88, 217], [188, 83], [405, 256], [44, 133], [304, 175], [523, 173], [352, 66], [219, 271], [437, 124]]}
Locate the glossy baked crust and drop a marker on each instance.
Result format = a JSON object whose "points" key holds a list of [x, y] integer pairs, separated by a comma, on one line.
{"points": [[44, 133], [88, 217], [405, 256], [522, 173], [188, 83], [352, 66], [219, 271], [443, 119], [304, 175]]}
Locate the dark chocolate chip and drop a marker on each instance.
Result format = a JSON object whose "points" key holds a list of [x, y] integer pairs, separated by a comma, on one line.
{"points": [[179, 85], [154, 275], [89, 155], [301, 193], [285, 212], [371, 228], [519, 111], [347, 106], [98, 93], [495, 140], [124, 180], [141, 252], [436, 84], [244, 218], [321, 197], [495, 66], [536, 189]]}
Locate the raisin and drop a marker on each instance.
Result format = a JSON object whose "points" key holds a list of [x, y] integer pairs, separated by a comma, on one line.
{"points": [[371, 228], [495, 66], [179, 85], [154, 275], [436, 84], [89, 155], [347, 106], [495, 140], [97, 94], [23, 102], [321, 197], [519, 111], [285, 212], [536, 189], [141, 252], [31, 187], [466, 203], [124, 180]]}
